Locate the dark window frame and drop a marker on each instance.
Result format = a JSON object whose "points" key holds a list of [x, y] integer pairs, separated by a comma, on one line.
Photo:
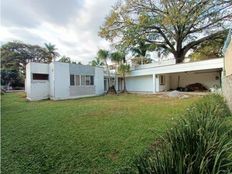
{"points": [[72, 80], [40, 76], [91, 80], [162, 80]]}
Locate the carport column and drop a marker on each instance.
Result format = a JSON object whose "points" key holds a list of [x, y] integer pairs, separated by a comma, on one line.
{"points": [[153, 83], [157, 83], [222, 76]]}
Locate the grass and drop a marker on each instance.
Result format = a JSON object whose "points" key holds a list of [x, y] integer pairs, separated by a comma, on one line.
{"points": [[91, 135], [201, 142]]}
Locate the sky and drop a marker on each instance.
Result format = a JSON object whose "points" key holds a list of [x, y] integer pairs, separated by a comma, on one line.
{"points": [[72, 25]]}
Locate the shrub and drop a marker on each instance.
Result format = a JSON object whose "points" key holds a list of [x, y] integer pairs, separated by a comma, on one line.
{"points": [[201, 142]]}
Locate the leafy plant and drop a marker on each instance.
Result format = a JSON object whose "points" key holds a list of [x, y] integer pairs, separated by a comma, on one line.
{"points": [[201, 142]]}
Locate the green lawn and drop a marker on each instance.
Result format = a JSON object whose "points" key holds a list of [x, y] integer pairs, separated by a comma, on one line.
{"points": [[91, 135]]}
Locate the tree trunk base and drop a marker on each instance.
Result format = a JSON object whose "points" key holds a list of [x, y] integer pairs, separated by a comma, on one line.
{"points": [[111, 91], [124, 92]]}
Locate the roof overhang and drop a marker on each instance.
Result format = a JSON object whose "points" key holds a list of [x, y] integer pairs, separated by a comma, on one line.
{"points": [[216, 63]]}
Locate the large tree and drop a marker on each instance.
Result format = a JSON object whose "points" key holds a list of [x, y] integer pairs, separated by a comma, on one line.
{"points": [[14, 57], [171, 26], [208, 50]]}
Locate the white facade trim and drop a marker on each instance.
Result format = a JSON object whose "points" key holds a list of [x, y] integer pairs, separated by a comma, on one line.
{"points": [[182, 67]]}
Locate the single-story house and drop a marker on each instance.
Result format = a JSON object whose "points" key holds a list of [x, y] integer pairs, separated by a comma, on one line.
{"points": [[65, 81], [152, 78], [59, 81]]}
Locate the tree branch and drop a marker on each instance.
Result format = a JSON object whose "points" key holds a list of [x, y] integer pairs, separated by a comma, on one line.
{"points": [[206, 38]]}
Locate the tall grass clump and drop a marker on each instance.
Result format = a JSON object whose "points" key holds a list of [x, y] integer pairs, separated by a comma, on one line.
{"points": [[200, 143]]}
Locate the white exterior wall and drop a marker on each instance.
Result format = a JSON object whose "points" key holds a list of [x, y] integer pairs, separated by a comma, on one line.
{"points": [[99, 81], [58, 86], [139, 84], [51, 80], [37, 89], [27, 79], [62, 81]]}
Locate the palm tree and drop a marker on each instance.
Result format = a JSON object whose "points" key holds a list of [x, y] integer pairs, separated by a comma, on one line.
{"points": [[140, 53], [104, 55], [123, 69], [65, 59], [118, 57], [51, 50], [97, 62]]}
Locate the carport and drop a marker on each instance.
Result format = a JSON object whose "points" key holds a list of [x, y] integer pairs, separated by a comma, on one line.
{"points": [[202, 80]]}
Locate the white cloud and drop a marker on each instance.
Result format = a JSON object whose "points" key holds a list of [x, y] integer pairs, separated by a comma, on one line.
{"points": [[72, 26]]}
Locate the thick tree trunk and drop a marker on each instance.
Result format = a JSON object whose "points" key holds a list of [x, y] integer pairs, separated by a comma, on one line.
{"points": [[111, 89], [124, 84], [179, 56], [108, 72]]}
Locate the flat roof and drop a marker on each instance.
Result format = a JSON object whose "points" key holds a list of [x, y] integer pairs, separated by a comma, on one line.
{"points": [[216, 63]]}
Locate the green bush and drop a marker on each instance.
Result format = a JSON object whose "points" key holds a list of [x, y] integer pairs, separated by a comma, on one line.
{"points": [[200, 143]]}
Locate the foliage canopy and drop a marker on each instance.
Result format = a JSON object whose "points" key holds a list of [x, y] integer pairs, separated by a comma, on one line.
{"points": [[169, 26]]}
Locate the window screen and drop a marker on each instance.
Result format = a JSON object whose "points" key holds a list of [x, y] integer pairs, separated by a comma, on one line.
{"points": [[77, 80], [87, 80], [72, 83], [36, 76], [83, 82]]}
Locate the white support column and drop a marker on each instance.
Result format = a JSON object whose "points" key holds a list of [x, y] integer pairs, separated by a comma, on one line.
{"points": [[116, 83], [154, 83], [222, 76], [157, 87]]}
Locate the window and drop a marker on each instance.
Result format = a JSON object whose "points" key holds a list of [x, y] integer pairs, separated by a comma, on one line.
{"points": [[36, 76], [105, 84], [91, 80], [72, 82], [83, 82], [77, 80], [162, 79], [87, 80]]}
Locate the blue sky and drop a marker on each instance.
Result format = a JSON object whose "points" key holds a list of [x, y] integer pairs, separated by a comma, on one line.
{"points": [[72, 25]]}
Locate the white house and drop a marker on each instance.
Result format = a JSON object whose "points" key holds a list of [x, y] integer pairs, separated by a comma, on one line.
{"points": [[59, 81], [64, 81], [164, 76]]}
